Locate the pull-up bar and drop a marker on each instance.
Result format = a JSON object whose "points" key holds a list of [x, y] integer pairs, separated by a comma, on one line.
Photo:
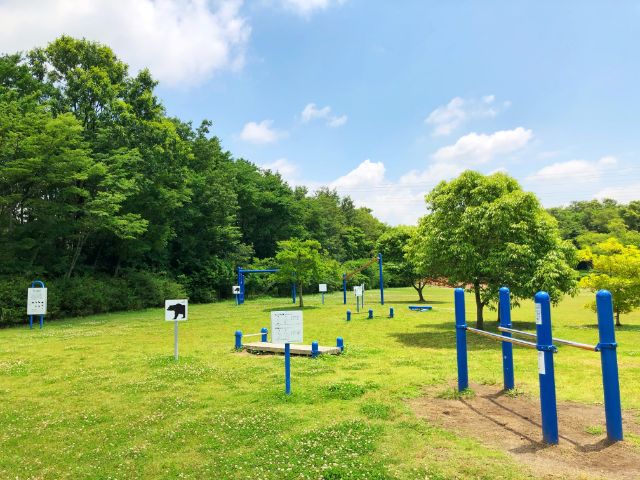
{"points": [[241, 273], [347, 276], [583, 346]]}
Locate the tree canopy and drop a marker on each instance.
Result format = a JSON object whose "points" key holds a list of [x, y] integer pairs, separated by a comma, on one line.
{"points": [[485, 232]]}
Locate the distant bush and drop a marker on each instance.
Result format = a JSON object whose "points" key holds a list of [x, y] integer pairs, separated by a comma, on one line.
{"points": [[87, 295]]}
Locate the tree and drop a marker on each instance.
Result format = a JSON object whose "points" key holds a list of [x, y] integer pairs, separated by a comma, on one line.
{"points": [[299, 261], [617, 269], [485, 232]]}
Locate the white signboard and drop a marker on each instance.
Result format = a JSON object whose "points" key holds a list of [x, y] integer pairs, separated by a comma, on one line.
{"points": [[236, 289], [538, 314], [322, 287], [176, 310], [541, 365], [286, 326], [358, 291], [37, 301]]}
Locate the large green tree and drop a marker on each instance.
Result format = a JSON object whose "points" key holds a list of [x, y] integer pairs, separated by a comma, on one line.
{"points": [[484, 232]]}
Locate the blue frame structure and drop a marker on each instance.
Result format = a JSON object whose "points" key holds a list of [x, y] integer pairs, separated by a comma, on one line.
{"points": [[241, 274], [347, 276]]}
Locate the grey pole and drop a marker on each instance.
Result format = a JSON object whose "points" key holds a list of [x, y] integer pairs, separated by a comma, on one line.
{"points": [[175, 340]]}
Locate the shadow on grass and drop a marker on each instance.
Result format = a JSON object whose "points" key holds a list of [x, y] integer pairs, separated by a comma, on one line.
{"points": [[444, 338], [415, 302], [291, 307], [623, 328]]}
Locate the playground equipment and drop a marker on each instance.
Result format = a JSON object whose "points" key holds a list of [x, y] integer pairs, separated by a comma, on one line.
{"points": [[347, 276], [264, 346], [544, 344], [420, 308], [241, 274]]}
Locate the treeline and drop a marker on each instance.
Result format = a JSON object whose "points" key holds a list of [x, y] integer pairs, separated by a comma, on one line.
{"points": [[111, 201], [587, 223]]}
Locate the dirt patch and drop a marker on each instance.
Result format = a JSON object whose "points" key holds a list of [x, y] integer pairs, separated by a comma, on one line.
{"points": [[512, 424]]}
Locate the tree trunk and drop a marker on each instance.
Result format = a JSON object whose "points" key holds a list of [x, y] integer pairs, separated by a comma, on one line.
{"points": [[479, 306], [300, 294], [76, 254], [618, 324], [419, 287]]}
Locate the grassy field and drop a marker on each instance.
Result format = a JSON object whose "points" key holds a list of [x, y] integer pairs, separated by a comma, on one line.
{"points": [[101, 397]]}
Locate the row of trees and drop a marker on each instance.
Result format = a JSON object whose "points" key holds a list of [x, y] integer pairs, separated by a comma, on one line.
{"points": [[97, 181]]}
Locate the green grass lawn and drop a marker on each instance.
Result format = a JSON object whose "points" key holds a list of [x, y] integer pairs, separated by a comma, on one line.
{"points": [[102, 397]]}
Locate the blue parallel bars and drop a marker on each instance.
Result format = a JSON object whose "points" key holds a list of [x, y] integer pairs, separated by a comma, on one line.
{"points": [[608, 358], [546, 373], [461, 340], [507, 348]]}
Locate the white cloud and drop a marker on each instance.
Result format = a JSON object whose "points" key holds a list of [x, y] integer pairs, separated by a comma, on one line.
{"points": [[288, 170], [312, 112], [573, 171], [261, 132], [368, 173], [183, 42], [623, 194], [447, 118], [475, 148], [306, 7]]}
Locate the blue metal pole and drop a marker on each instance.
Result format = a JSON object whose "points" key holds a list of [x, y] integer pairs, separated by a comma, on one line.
{"points": [[241, 285], [608, 358], [340, 343], [507, 348], [391, 312], [314, 349], [238, 340], [348, 315], [264, 332], [370, 313], [546, 373], [293, 292], [41, 320], [31, 322], [344, 288], [461, 340], [287, 368], [381, 279]]}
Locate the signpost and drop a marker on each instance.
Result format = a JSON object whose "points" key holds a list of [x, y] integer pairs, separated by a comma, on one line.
{"points": [[286, 327], [236, 291], [357, 290], [322, 288], [36, 302], [176, 311]]}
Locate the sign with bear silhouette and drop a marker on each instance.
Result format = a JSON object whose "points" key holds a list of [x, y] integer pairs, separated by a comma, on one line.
{"points": [[176, 310], [36, 301], [235, 289]]}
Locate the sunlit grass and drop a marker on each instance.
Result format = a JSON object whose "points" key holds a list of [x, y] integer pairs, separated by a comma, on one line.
{"points": [[101, 397]]}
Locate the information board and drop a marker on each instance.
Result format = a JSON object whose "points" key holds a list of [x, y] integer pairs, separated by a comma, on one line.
{"points": [[36, 301], [286, 326], [357, 290], [176, 310], [322, 287]]}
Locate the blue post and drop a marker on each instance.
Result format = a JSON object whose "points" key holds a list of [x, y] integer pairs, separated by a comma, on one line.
{"points": [[344, 288], [287, 368], [608, 358], [241, 285], [315, 351], [33, 285], [293, 292], [507, 348], [381, 279], [264, 332], [340, 343], [370, 313], [238, 340], [391, 312], [461, 340], [546, 374], [348, 315]]}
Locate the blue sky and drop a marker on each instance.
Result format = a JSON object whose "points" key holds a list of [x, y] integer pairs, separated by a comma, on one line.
{"points": [[382, 100]]}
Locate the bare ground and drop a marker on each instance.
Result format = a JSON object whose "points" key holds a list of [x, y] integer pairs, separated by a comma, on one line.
{"points": [[512, 424]]}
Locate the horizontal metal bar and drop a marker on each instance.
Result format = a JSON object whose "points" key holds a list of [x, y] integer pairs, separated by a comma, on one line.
{"points": [[252, 334], [502, 338], [268, 270], [583, 346]]}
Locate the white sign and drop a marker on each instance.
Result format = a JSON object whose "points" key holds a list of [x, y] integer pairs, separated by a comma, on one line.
{"points": [[358, 290], [322, 287], [286, 326], [176, 310], [541, 366], [538, 314], [236, 289], [37, 301]]}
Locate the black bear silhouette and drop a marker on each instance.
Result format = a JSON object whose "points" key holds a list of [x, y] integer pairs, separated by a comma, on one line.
{"points": [[177, 309]]}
